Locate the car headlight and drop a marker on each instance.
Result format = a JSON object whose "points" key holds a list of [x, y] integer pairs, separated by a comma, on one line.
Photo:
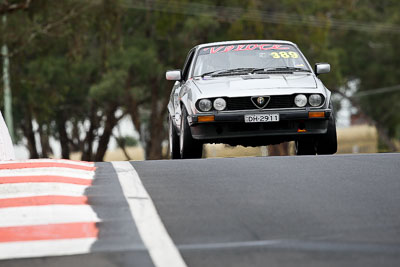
{"points": [[315, 100], [205, 105], [219, 104], [300, 101]]}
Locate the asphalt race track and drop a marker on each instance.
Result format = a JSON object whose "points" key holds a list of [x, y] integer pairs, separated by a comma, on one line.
{"points": [[341, 210]]}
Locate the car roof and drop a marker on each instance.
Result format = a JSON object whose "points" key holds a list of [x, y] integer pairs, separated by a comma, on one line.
{"points": [[245, 42]]}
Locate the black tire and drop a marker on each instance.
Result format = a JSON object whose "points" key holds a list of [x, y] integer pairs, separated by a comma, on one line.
{"points": [[327, 143], [173, 141], [305, 147], [189, 148]]}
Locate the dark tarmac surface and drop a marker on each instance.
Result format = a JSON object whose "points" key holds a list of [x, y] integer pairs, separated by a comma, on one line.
{"points": [[341, 210]]}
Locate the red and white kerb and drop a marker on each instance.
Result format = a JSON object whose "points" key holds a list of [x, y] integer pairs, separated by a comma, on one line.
{"points": [[44, 210]]}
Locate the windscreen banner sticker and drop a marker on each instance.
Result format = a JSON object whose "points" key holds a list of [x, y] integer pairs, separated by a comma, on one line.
{"points": [[242, 47]]}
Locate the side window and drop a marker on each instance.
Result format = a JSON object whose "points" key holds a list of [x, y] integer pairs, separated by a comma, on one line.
{"points": [[186, 67]]}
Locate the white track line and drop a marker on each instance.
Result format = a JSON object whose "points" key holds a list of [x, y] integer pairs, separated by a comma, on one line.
{"points": [[41, 189], [45, 248], [50, 214], [53, 171], [161, 248]]}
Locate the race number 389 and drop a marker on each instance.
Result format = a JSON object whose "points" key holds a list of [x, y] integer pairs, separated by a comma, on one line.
{"points": [[284, 55]]}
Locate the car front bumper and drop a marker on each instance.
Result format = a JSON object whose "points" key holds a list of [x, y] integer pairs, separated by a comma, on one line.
{"points": [[226, 126]]}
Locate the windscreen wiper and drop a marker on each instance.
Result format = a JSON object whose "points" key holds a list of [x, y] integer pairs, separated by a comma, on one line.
{"points": [[240, 69], [235, 71], [227, 72], [211, 72], [279, 69]]}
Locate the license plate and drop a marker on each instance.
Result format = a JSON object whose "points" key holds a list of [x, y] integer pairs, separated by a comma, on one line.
{"points": [[261, 118]]}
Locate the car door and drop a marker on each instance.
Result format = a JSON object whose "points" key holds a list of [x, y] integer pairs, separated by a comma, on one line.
{"points": [[180, 88]]}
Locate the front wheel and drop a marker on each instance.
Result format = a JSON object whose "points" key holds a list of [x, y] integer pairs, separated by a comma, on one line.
{"points": [[327, 143], [305, 147], [189, 148], [173, 141]]}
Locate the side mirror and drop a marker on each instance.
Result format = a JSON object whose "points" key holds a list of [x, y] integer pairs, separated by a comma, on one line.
{"points": [[173, 75], [321, 68]]}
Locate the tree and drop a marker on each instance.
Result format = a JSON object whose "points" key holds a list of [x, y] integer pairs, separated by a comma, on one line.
{"points": [[6, 7], [78, 67]]}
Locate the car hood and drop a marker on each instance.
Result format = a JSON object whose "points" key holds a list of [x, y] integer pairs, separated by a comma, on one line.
{"points": [[258, 84]]}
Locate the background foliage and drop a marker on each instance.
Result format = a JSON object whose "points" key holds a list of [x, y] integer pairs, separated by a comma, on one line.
{"points": [[78, 67]]}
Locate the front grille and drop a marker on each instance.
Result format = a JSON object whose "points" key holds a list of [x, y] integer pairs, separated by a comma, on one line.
{"points": [[245, 103]]}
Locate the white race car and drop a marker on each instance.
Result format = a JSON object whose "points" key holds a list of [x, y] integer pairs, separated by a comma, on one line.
{"points": [[249, 93]]}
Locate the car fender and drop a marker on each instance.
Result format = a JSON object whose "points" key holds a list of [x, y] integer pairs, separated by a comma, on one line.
{"points": [[184, 103], [328, 97], [188, 98], [171, 110]]}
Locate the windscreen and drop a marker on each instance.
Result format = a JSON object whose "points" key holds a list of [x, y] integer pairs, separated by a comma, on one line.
{"points": [[227, 57]]}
